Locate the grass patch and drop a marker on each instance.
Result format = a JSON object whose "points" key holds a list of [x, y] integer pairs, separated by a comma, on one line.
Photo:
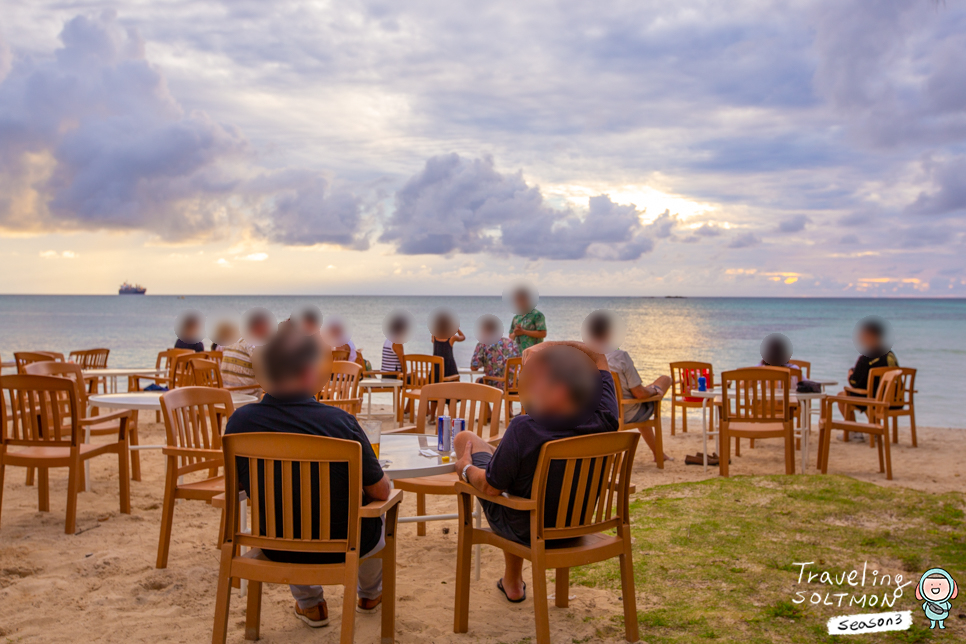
{"points": [[709, 568]]}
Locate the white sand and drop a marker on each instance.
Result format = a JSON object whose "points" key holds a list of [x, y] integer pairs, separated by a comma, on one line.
{"points": [[101, 585]]}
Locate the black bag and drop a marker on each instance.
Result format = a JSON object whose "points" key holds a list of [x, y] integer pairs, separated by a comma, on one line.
{"points": [[808, 387]]}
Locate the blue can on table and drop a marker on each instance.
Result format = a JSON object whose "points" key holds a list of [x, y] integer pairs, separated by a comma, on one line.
{"points": [[702, 383], [444, 434]]}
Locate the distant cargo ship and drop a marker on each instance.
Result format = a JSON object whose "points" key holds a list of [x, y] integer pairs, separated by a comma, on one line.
{"points": [[131, 289]]}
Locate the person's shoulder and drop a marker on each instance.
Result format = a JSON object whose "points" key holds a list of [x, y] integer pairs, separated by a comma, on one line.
{"points": [[243, 415], [331, 414]]}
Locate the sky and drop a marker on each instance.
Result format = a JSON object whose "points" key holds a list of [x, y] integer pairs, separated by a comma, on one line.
{"points": [[741, 148]]}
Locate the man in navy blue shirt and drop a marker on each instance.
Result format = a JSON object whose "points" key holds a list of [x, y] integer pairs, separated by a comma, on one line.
{"points": [[289, 367], [567, 391], [189, 333]]}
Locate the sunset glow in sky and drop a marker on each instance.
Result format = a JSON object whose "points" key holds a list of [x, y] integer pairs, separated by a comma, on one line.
{"points": [[786, 148]]}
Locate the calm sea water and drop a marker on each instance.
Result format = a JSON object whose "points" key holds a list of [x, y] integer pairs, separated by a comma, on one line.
{"points": [[724, 331]]}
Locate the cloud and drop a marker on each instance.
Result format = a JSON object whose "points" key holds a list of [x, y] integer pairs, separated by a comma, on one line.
{"points": [[949, 195], [744, 240], [793, 224], [456, 204]]}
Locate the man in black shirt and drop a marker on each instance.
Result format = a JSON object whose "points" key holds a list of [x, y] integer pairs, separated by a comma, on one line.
{"points": [[189, 333], [875, 352], [289, 367], [567, 391]]}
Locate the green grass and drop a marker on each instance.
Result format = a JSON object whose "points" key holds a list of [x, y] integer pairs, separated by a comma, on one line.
{"points": [[715, 560]]}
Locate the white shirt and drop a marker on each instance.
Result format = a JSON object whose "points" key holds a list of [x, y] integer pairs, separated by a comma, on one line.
{"points": [[620, 362]]}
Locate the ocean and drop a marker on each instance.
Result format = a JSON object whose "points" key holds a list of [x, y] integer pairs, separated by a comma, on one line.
{"points": [[929, 333]]}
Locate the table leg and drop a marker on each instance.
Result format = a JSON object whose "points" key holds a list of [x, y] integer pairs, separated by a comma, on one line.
{"points": [[369, 404], [133, 442], [396, 395], [704, 432]]}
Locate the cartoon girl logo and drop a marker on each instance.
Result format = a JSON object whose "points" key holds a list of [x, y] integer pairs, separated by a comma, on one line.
{"points": [[936, 589]]}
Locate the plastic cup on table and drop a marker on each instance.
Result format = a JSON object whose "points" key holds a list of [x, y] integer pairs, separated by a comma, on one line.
{"points": [[373, 430]]}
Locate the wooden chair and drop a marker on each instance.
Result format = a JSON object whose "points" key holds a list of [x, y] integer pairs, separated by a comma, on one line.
{"points": [[804, 366], [468, 400], [90, 358], [23, 358], [420, 370], [340, 355], [509, 382], [300, 465], [906, 391], [97, 425], [887, 393], [180, 376], [49, 433], [201, 372], [194, 419], [684, 378], [596, 475], [755, 404], [165, 362], [342, 388], [654, 422]]}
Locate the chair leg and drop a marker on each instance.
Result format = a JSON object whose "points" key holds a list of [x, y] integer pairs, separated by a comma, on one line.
{"points": [[562, 588], [826, 445], [253, 614], [3, 474], [133, 440], [673, 415], [421, 511], [737, 447], [790, 451], [43, 490], [658, 444], [888, 458], [464, 555], [912, 425], [878, 442], [75, 474], [724, 439], [540, 608], [895, 429], [222, 597], [684, 420], [349, 598], [167, 513], [627, 589], [124, 476], [389, 578], [30, 476]]}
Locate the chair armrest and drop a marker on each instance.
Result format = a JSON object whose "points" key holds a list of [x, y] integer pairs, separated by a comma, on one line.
{"points": [[376, 372], [506, 500], [408, 429], [856, 390], [493, 378], [861, 402], [105, 418], [207, 454], [375, 509], [451, 378], [241, 387]]}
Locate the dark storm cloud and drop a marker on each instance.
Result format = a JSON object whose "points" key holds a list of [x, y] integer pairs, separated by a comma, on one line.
{"points": [[459, 205]]}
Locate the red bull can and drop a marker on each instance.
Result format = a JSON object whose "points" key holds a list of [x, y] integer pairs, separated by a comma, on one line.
{"points": [[459, 424], [444, 434]]}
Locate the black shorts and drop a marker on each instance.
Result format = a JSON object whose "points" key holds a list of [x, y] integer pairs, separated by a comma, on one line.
{"points": [[508, 523]]}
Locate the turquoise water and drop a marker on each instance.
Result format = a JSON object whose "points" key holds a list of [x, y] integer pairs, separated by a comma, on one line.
{"points": [[724, 331]]}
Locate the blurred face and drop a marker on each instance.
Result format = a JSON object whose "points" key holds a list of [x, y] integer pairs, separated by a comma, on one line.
{"points": [[521, 300], [868, 339], [259, 329], [543, 395]]}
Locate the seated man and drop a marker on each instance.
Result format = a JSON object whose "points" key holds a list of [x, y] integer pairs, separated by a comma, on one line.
{"points": [[492, 351], [600, 332], [875, 352], [567, 391], [289, 368], [190, 333], [236, 361]]}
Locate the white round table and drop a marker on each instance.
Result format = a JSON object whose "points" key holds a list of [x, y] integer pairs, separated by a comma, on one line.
{"points": [[150, 400], [402, 451], [381, 383], [111, 374]]}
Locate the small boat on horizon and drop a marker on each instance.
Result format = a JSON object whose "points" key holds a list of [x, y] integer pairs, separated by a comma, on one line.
{"points": [[131, 289]]}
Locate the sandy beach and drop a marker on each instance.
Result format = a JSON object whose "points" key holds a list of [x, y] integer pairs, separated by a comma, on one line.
{"points": [[101, 584]]}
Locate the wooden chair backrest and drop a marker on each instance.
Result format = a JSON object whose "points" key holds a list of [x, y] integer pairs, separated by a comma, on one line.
{"points": [[194, 419], [513, 368], [69, 370], [90, 358], [684, 378], [300, 466], [594, 490], [620, 399], [202, 372], [756, 395], [34, 407], [877, 381], [804, 366], [466, 400], [179, 368], [343, 381], [422, 370], [340, 355], [217, 355], [907, 385], [23, 358], [166, 360]]}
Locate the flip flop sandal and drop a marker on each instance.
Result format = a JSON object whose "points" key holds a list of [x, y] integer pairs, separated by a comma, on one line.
{"points": [[499, 585]]}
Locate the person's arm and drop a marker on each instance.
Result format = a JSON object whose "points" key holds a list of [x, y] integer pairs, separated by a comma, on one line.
{"points": [[459, 337], [475, 475], [542, 333], [640, 391], [599, 358], [477, 360], [380, 491]]}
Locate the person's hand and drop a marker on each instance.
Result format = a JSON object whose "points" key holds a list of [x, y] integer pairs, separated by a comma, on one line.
{"points": [[466, 458]]}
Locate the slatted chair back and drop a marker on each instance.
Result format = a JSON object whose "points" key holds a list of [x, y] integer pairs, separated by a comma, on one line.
{"points": [[166, 359], [906, 391], [594, 473], [202, 372], [90, 358], [684, 378], [194, 420], [35, 409], [340, 355], [804, 365], [513, 368], [466, 400], [217, 355], [23, 358], [422, 370], [179, 368], [292, 507], [68, 370], [756, 395], [343, 383]]}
